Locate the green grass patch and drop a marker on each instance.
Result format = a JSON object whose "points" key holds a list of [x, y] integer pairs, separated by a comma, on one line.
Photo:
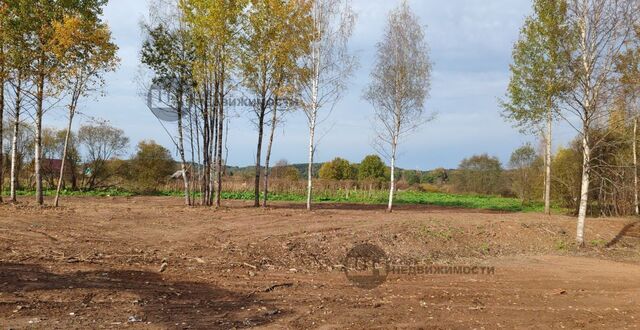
{"points": [[599, 243], [495, 203], [88, 193]]}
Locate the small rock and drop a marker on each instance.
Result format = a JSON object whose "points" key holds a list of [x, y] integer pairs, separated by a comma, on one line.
{"points": [[163, 267], [199, 260], [134, 319], [293, 270], [273, 312], [72, 260], [252, 274]]}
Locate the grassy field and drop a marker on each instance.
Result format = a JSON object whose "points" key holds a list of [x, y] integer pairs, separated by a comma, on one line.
{"points": [[364, 197], [409, 197], [93, 193]]}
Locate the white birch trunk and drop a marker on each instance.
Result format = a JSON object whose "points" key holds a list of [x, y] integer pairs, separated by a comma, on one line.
{"points": [[218, 148], [585, 44], [274, 121], [56, 201], [181, 150], [183, 162], [313, 115], [584, 190], [312, 131], [14, 143], [38, 143], [392, 187], [547, 177], [14, 157]]}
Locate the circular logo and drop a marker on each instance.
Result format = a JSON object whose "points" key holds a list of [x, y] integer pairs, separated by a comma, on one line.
{"points": [[164, 103], [366, 266]]}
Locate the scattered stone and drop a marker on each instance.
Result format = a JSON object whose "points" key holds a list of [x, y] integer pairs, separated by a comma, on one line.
{"points": [[134, 319], [163, 267], [272, 312], [252, 274], [293, 270], [199, 260], [72, 260]]}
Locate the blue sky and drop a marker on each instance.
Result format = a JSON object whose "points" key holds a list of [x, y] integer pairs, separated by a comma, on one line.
{"points": [[470, 41]]}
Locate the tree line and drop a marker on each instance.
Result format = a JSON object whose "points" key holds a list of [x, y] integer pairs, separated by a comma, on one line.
{"points": [[88, 154]]}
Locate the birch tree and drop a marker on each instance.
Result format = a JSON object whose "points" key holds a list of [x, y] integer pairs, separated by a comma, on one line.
{"points": [[538, 76], [43, 68], [37, 18], [328, 65], [400, 83], [101, 142], [258, 67], [18, 57], [85, 49], [168, 52], [602, 29], [276, 37], [215, 28]]}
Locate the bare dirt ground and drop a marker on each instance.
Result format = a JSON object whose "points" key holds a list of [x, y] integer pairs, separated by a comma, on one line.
{"points": [[96, 264]]}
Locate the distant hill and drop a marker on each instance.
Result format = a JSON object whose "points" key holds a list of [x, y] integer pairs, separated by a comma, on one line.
{"points": [[247, 170], [302, 168]]}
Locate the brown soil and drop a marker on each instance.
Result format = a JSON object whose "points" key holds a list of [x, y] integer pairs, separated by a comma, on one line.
{"points": [[95, 263]]}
